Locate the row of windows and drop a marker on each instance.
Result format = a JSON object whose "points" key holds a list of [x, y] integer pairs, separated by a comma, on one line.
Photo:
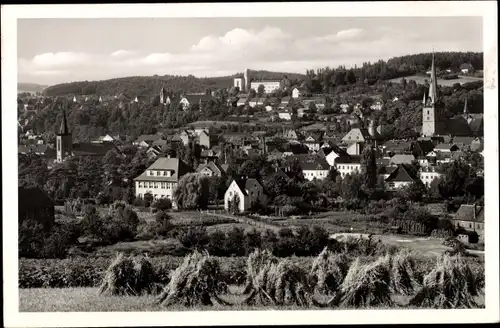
{"points": [[156, 185], [155, 196], [348, 167], [469, 225], [320, 173], [159, 173]]}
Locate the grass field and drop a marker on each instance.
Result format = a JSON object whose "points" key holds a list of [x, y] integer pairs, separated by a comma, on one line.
{"points": [[88, 300]]}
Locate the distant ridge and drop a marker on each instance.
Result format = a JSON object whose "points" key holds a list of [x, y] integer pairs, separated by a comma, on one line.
{"points": [[30, 87], [150, 85]]}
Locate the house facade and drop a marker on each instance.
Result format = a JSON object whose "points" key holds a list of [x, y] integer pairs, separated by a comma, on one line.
{"points": [[470, 218], [161, 178], [246, 191], [429, 174], [315, 169], [348, 165], [210, 169], [402, 176]]}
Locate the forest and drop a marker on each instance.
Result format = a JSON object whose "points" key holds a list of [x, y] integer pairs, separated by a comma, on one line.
{"points": [[319, 80]]}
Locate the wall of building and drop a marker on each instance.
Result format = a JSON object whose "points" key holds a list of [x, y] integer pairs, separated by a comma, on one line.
{"points": [[269, 86], [348, 168], [229, 195], [318, 174], [157, 189]]}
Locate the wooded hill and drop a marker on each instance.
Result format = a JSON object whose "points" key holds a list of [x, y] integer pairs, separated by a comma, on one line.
{"points": [[151, 85]]}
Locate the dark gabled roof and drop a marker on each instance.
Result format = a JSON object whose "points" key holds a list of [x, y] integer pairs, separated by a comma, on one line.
{"points": [[212, 166], [423, 146], [470, 213], [384, 169], [402, 159], [477, 126], [246, 184], [41, 149], [193, 99], [164, 163], [466, 141], [349, 159], [33, 197], [148, 137], [398, 146], [93, 149], [458, 126], [403, 173], [315, 164], [442, 146]]}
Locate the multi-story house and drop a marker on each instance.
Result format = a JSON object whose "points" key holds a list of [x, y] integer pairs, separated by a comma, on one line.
{"points": [[348, 165], [428, 174], [403, 175], [316, 168], [161, 178]]}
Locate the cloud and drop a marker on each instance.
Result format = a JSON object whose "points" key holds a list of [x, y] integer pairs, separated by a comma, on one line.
{"points": [[59, 59], [268, 48], [122, 53]]}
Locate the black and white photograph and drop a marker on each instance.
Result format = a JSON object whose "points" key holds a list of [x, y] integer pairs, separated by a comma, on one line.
{"points": [[210, 163]]}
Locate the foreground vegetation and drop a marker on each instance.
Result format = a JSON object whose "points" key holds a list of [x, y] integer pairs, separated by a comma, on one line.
{"points": [[332, 280]]}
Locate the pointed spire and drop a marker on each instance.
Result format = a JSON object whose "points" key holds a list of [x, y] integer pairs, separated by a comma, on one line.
{"points": [[466, 110], [64, 125], [433, 84]]}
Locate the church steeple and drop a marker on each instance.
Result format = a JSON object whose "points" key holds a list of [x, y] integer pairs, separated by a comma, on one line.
{"points": [[433, 84], [63, 130], [64, 143], [431, 119]]}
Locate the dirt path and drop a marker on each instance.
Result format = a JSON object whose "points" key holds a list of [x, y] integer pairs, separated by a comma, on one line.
{"points": [[245, 220]]}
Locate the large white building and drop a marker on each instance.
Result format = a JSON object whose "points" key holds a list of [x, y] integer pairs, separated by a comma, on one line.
{"points": [[269, 85], [160, 179], [428, 174], [348, 165]]}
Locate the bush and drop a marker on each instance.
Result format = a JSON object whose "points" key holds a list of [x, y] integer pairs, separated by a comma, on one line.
{"points": [[162, 204], [89, 271], [194, 238], [35, 242]]}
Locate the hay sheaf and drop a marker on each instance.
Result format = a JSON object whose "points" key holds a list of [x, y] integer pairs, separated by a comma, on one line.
{"points": [[328, 271], [281, 283], [365, 285], [197, 281], [129, 275], [450, 285], [404, 276], [255, 262]]}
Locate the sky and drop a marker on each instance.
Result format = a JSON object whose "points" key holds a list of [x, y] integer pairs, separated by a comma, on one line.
{"points": [[52, 51]]}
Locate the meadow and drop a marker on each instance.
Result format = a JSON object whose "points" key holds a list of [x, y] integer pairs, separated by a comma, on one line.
{"points": [[76, 283], [421, 80]]}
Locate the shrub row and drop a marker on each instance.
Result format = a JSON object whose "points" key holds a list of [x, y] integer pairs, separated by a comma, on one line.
{"points": [[88, 272]]}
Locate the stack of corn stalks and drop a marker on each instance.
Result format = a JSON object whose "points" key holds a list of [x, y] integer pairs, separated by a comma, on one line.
{"points": [[450, 285], [195, 282]]}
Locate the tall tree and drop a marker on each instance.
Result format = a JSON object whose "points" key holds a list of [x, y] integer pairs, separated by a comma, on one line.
{"points": [[192, 192], [369, 168]]}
